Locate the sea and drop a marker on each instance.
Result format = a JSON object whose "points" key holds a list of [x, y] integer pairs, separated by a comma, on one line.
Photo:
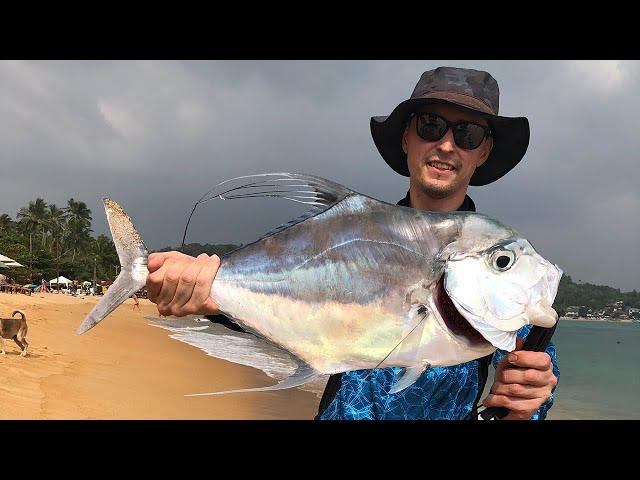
{"points": [[599, 363]]}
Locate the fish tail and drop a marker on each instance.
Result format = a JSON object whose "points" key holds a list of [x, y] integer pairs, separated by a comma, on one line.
{"points": [[133, 262]]}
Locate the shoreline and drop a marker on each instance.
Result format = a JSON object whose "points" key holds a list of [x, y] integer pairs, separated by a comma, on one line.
{"points": [[583, 319]]}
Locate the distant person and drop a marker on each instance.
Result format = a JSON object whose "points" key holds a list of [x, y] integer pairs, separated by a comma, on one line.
{"points": [[447, 136], [136, 304]]}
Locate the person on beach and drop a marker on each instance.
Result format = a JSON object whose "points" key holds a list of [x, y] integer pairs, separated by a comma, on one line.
{"points": [[446, 136], [136, 304]]}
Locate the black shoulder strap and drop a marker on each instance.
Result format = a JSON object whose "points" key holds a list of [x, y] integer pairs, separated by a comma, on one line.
{"points": [[483, 373], [330, 391]]}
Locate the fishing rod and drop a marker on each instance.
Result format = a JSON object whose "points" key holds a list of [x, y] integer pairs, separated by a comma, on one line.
{"points": [[537, 341]]}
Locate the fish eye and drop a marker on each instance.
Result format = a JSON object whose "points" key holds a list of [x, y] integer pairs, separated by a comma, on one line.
{"points": [[502, 259]]}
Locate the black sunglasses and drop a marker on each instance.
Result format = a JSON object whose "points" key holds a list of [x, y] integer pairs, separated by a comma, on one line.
{"points": [[432, 127]]}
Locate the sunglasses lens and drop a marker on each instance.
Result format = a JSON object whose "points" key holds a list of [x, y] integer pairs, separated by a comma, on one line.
{"points": [[430, 127], [468, 135]]}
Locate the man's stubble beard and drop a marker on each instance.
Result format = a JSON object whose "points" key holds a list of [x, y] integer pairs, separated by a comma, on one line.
{"points": [[438, 192]]}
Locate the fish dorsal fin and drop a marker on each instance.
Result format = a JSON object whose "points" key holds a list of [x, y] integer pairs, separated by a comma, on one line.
{"points": [[320, 193], [409, 377], [297, 187]]}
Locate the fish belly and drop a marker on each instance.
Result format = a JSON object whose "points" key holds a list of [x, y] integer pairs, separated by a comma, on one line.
{"points": [[330, 336]]}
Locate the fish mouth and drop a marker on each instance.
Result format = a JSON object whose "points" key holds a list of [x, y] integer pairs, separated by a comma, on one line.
{"points": [[453, 319]]}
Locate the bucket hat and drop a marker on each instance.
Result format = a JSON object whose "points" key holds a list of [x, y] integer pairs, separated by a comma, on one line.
{"points": [[472, 90]]}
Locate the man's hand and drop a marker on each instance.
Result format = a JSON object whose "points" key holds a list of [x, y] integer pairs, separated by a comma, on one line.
{"points": [[180, 284], [523, 382]]}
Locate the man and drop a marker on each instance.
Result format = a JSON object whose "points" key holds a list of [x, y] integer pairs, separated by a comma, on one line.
{"points": [[445, 137]]}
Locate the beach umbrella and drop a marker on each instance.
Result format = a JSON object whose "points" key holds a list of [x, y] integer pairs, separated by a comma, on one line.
{"points": [[62, 280], [13, 264], [9, 262]]}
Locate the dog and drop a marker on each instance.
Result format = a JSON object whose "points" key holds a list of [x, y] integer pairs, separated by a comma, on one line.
{"points": [[16, 329]]}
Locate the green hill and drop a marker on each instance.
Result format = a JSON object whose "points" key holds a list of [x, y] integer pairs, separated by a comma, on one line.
{"points": [[591, 296]]}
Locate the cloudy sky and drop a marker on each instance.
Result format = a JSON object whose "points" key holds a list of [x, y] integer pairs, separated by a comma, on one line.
{"points": [[156, 135]]}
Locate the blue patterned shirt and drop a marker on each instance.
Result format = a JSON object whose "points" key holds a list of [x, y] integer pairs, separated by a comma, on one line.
{"points": [[442, 393]]}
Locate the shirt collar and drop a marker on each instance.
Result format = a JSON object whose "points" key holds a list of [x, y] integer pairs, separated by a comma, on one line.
{"points": [[467, 203]]}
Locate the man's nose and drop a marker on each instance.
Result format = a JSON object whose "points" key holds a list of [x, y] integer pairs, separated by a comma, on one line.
{"points": [[446, 143]]}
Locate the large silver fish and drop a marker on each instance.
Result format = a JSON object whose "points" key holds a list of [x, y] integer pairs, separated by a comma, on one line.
{"points": [[357, 283]]}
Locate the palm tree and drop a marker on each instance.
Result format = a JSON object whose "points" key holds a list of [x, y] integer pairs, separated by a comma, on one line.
{"points": [[56, 223], [34, 217], [57, 226], [78, 212], [78, 223], [6, 224], [104, 252], [77, 236]]}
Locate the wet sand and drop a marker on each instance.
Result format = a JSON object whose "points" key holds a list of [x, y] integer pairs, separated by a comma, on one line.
{"points": [[124, 369]]}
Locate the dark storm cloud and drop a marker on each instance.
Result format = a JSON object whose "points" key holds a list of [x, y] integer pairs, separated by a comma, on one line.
{"points": [[157, 135]]}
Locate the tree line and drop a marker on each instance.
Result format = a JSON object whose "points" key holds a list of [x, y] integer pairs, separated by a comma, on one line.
{"points": [[50, 240], [592, 296]]}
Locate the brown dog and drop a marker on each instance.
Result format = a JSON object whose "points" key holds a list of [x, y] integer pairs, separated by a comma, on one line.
{"points": [[16, 329]]}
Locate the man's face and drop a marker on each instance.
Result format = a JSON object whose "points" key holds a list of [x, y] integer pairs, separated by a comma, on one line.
{"points": [[441, 168]]}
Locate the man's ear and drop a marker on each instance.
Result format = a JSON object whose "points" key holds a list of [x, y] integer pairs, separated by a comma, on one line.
{"points": [[405, 144], [486, 147]]}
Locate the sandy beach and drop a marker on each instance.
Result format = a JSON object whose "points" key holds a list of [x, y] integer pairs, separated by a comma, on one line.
{"points": [[124, 369]]}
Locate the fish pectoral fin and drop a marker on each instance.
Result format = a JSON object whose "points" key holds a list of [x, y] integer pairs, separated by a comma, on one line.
{"points": [[303, 374], [421, 312], [409, 377]]}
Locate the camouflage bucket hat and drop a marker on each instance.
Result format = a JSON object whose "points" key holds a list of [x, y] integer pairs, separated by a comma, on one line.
{"points": [[472, 90]]}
